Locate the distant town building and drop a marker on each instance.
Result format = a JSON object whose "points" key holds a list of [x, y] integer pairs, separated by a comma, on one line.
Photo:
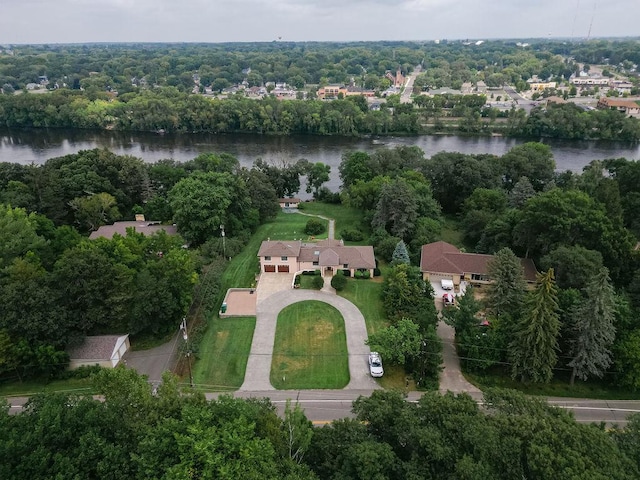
{"points": [[397, 80], [537, 85], [586, 80], [333, 91], [628, 107]]}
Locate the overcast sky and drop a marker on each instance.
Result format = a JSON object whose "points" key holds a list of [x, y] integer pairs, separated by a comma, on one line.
{"points": [[78, 21]]}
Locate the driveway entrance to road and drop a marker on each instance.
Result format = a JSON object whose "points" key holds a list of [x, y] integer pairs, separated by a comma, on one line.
{"points": [[259, 365]]}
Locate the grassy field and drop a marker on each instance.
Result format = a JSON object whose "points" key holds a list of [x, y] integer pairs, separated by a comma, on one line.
{"points": [[30, 387], [451, 232], [240, 272], [559, 387], [345, 217], [365, 294], [395, 378], [224, 354], [310, 350]]}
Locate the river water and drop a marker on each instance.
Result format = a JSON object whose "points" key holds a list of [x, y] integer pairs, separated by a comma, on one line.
{"points": [[36, 146]]}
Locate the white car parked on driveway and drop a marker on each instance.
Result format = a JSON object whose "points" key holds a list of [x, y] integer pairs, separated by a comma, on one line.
{"points": [[375, 365]]}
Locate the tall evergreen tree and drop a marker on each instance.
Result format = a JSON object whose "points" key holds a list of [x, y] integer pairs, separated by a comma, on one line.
{"points": [[522, 191], [595, 331], [533, 349], [400, 254], [507, 290]]}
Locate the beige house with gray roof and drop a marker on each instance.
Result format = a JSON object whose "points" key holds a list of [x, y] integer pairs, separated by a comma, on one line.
{"points": [[329, 256]]}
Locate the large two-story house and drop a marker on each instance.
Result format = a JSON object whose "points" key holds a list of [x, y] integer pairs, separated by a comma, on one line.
{"points": [[328, 256]]}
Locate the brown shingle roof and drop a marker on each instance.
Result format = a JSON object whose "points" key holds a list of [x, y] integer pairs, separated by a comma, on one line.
{"points": [[326, 252], [614, 102], [442, 257], [146, 228], [329, 257], [280, 248]]}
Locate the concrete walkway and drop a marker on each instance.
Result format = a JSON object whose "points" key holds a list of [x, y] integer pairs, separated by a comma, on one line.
{"points": [[331, 234], [451, 378], [259, 364]]}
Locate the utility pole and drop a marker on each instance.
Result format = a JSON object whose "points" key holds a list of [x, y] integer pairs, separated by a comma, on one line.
{"points": [[224, 246], [185, 336]]}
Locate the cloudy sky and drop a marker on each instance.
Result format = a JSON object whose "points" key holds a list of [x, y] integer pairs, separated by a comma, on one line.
{"points": [[77, 21]]}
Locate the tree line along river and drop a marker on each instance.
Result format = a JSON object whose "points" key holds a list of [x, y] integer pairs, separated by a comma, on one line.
{"points": [[36, 146]]}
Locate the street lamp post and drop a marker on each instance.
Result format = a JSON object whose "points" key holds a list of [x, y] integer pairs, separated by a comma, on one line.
{"points": [[185, 336]]}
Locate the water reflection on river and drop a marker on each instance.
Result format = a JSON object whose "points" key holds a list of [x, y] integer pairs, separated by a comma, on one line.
{"points": [[36, 146]]}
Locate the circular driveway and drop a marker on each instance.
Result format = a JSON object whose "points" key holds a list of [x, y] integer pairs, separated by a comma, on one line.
{"points": [[259, 364]]}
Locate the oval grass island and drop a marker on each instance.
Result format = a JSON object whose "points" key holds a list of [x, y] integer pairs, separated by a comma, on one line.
{"points": [[310, 350]]}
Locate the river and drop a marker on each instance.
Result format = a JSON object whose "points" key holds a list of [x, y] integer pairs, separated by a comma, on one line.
{"points": [[36, 146]]}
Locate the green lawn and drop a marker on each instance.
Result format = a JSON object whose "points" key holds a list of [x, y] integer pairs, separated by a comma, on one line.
{"points": [[395, 378], [306, 282], [240, 272], [451, 231], [224, 352], [70, 386], [310, 349], [345, 217], [365, 294], [559, 386]]}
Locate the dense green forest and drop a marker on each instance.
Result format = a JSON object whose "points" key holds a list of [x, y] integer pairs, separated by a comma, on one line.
{"points": [[57, 286], [175, 435], [168, 110], [580, 230], [151, 88], [122, 67], [582, 227]]}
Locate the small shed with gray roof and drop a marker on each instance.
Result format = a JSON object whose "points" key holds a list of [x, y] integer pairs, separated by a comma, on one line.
{"points": [[104, 350]]}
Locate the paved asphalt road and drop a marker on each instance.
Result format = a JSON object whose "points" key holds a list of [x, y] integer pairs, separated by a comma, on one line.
{"points": [[154, 361], [405, 97], [323, 406]]}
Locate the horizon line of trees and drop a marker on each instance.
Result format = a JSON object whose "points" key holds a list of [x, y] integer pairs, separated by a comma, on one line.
{"points": [[168, 110]]}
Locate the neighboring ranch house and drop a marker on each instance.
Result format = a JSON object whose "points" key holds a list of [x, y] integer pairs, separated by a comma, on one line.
{"points": [[103, 350], [328, 256], [289, 202], [140, 226], [442, 261]]}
